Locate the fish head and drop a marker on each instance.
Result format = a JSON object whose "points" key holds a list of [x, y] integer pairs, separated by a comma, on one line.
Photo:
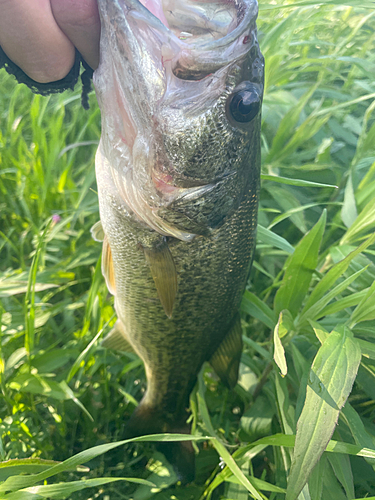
{"points": [[180, 87]]}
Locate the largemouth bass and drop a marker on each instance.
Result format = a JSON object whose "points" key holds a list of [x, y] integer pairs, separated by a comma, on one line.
{"points": [[180, 87]]}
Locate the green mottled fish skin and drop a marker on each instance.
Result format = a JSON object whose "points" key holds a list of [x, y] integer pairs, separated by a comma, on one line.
{"points": [[178, 137], [212, 273]]}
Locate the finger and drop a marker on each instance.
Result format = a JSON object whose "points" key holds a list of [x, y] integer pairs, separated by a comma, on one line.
{"points": [[31, 38], [79, 20]]}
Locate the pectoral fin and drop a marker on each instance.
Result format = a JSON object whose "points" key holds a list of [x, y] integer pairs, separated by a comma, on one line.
{"points": [[97, 232], [226, 359], [116, 339], [163, 270], [107, 267]]}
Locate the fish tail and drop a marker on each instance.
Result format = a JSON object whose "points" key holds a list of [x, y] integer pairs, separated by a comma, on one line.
{"points": [[180, 454]]}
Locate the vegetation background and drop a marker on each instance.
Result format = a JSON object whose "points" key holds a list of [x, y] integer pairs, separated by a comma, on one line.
{"points": [[308, 312]]}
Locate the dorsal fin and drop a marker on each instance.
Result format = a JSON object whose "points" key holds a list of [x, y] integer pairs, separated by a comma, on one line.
{"points": [[226, 359], [163, 270], [107, 267]]}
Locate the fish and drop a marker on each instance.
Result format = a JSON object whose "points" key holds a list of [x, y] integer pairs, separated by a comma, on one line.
{"points": [[180, 88]]}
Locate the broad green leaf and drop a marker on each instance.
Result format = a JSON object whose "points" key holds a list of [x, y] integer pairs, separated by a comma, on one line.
{"points": [[299, 269], [281, 329], [268, 237], [331, 378], [334, 274]]}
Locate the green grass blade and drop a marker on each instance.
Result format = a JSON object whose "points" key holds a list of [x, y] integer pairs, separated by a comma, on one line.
{"points": [[315, 311], [287, 124], [367, 348], [268, 237], [364, 222], [341, 465], [60, 491], [281, 329], [27, 466], [294, 182], [251, 304], [365, 311], [334, 274], [339, 305]]}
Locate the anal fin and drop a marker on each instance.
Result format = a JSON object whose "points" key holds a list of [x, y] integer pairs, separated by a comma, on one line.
{"points": [[164, 273], [116, 339], [226, 359]]}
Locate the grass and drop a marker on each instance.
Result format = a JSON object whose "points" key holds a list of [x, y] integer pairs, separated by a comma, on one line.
{"points": [[308, 312]]}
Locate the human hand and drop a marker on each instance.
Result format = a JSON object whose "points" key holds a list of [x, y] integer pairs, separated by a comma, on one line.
{"points": [[40, 35]]}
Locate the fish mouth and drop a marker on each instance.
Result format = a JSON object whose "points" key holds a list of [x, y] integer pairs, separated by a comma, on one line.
{"points": [[204, 23], [202, 34], [198, 36]]}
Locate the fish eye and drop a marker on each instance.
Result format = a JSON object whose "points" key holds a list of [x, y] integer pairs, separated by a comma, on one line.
{"points": [[244, 103]]}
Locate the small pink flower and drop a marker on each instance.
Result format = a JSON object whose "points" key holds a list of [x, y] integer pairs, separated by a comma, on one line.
{"points": [[56, 218]]}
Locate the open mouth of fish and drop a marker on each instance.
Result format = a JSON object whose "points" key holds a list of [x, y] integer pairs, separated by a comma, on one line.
{"points": [[158, 55]]}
